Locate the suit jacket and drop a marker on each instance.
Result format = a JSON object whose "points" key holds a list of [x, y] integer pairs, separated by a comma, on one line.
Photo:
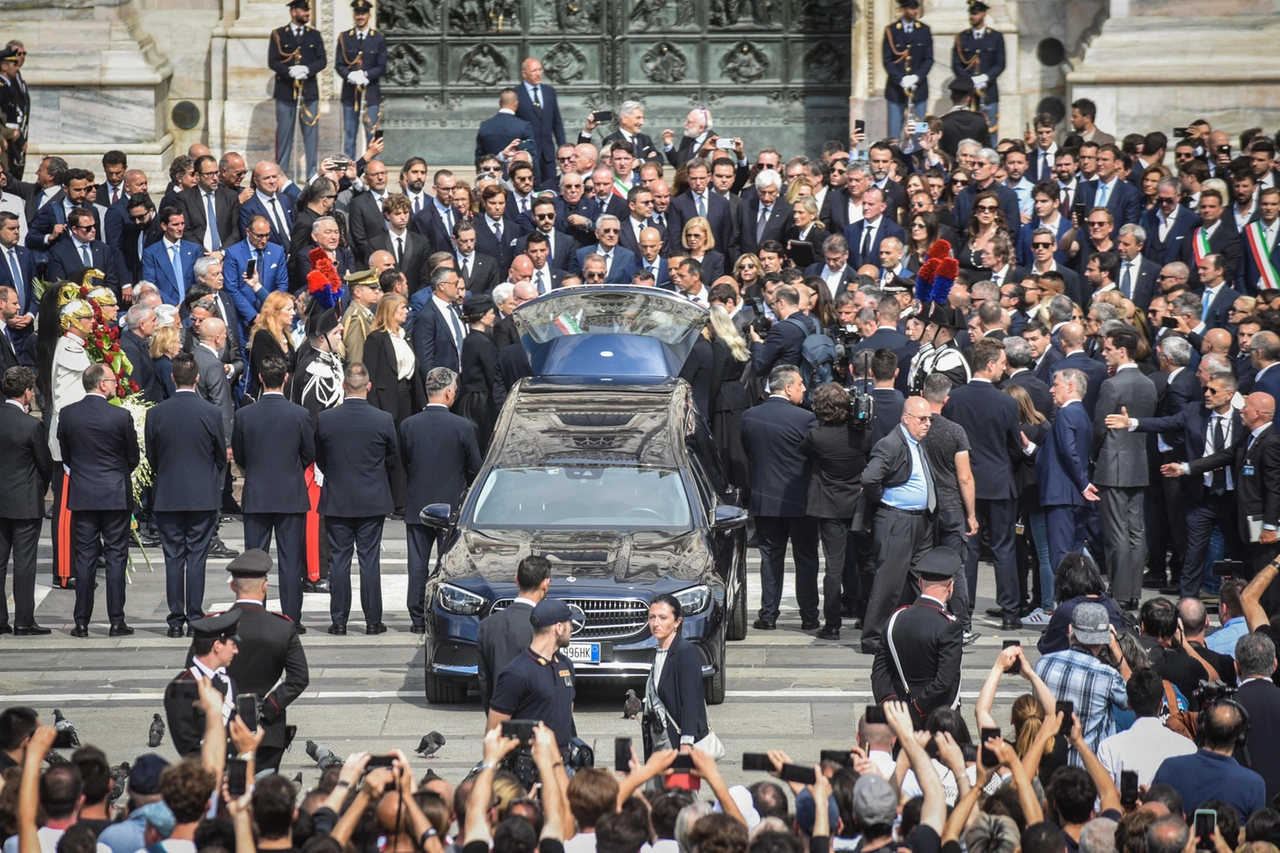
{"points": [[255, 207], [277, 652], [548, 127], [684, 152], [847, 276], [505, 333], [1189, 426], [1025, 256], [1250, 272], [157, 268], [839, 453], [641, 142], [1041, 398], [503, 635], [369, 56], [496, 133], [775, 228], [958, 124], [100, 447], [441, 456], [930, 644], [1143, 282], [1120, 457], [26, 465], [215, 387], [781, 346], [27, 300], [273, 274], [1218, 308], [1124, 201], [624, 263], [1169, 249], [384, 386], [1095, 372], [144, 369], [431, 224], [990, 419], [1062, 462], [65, 260], [487, 242], [274, 441], [1044, 370], [1008, 205], [771, 436], [1261, 698], [680, 688], [906, 53], [187, 451], [723, 228], [356, 449], [566, 254], [309, 47], [433, 344], [482, 273], [853, 233], [1225, 241], [54, 213], [365, 222], [413, 261], [1257, 474], [227, 206], [300, 265]]}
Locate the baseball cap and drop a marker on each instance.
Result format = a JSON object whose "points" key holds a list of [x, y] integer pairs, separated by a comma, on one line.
{"points": [[1090, 624], [144, 776], [874, 802], [746, 805], [806, 811], [159, 817], [550, 611]]}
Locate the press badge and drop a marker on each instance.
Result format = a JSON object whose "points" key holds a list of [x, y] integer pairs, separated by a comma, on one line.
{"points": [[1247, 471], [568, 679]]}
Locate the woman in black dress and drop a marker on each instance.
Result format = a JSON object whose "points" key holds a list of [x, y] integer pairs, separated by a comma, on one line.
{"points": [[701, 243], [270, 336], [807, 228], [479, 367], [394, 385], [729, 397], [985, 222]]}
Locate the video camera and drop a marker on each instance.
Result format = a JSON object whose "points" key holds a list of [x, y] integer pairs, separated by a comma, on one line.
{"points": [[762, 324], [1208, 692]]}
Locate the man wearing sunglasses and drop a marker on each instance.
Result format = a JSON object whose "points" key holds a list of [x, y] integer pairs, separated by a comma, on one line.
{"points": [[1168, 223], [83, 251], [1044, 214]]}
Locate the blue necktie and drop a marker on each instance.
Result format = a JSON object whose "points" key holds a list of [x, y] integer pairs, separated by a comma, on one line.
{"points": [[177, 272], [215, 243], [15, 272], [1102, 195]]}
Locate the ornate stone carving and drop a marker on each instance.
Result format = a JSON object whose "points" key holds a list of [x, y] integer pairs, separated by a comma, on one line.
{"points": [[564, 64], [405, 65], [664, 63], [744, 63], [727, 13], [648, 13], [822, 16], [784, 98], [438, 101], [410, 15], [824, 64], [484, 16], [579, 16], [483, 64]]}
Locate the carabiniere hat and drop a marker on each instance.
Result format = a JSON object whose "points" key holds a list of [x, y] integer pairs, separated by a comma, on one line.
{"points": [[220, 627], [550, 611], [298, 4], [961, 83], [977, 6], [253, 563], [321, 323], [940, 564], [909, 4]]}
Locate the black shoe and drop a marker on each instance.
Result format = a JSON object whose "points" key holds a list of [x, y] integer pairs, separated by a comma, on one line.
{"points": [[302, 629], [995, 612], [175, 631], [1131, 604], [856, 624], [1171, 590], [6, 628], [321, 585], [1010, 624], [120, 630], [970, 637], [375, 628], [146, 540], [221, 552], [225, 519], [848, 612], [59, 583], [396, 516], [231, 507], [762, 625], [80, 631], [32, 630], [338, 630], [419, 628], [1151, 580], [809, 624], [828, 632]]}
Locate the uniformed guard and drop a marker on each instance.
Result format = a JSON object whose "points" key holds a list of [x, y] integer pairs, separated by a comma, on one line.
{"points": [[214, 645], [539, 684], [908, 55], [361, 60], [978, 54], [272, 649], [919, 660], [295, 52], [938, 352], [317, 386], [961, 122], [15, 111]]}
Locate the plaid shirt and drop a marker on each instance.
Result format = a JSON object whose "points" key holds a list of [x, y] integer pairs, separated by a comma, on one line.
{"points": [[1094, 688]]}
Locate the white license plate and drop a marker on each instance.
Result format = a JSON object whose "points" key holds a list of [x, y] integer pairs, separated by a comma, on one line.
{"points": [[583, 652]]}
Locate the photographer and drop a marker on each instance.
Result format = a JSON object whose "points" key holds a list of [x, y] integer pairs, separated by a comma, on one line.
{"points": [[881, 368], [784, 338], [1212, 771]]}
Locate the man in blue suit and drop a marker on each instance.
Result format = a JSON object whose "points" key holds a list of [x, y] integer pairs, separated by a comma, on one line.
{"points": [[496, 133], [268, 201], [1072, 338], [1110, 190], [51, 222], [170, 262], [1046, 214], [864, 237], [1261, 257], [539, 106], [1168, 224], [17, 272], [1062, 465], [83, 250], [437, 328], [620, 262], [270, 271]]}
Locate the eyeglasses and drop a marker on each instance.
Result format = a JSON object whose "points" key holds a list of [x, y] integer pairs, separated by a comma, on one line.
{"points": [[959, 183], [747, 266], [918, 225], [491, 168], [569, 159], [208, 174], [113, 381], [924, 420], [260, 236], [610, 230], [544, 216], [1168, 201], [89, 227], [987, 208], [141, 217], [594, 276], [239, 173], [1042, 245], [1166, 277], [330, 197]]}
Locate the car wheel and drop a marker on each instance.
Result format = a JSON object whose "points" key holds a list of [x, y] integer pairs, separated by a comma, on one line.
{"points": [[737, 628], [441, 691], [713, 686]]}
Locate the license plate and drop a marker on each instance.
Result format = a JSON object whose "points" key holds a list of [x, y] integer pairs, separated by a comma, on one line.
{"points": [[583, 652]]}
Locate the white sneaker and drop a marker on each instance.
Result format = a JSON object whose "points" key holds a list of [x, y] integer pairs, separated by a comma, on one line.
{"points": [[1037, 617]]}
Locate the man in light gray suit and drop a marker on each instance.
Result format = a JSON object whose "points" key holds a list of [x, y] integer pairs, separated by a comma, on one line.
{"points": [[1120, 464], [506, 633], [214, 385]]}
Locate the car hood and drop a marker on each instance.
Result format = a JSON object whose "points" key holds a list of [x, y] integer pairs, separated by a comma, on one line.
{"points": [[609, 331], [639, 557]]}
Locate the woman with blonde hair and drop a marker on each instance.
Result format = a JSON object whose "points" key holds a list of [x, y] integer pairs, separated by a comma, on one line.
{"points": [[394, 385], [270, 335], [1032, 545], [798, 188], [729, 397], [749, 273], [164, 344], [1031, 739], [807, 228], [696, 236]]}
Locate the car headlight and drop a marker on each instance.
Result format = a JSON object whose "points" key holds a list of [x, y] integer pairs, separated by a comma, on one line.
{"points": [[455, 599], [693, 600]]}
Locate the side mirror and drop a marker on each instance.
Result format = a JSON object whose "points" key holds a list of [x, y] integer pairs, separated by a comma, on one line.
{"points": [[439, 516], [728, 518]]}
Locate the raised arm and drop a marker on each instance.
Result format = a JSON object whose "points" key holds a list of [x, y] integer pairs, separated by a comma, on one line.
{"points": [[934, 811]]}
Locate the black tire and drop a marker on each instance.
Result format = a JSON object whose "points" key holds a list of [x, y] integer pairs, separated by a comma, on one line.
{"points": [[441, 691], [737, 627], [713, 686]]}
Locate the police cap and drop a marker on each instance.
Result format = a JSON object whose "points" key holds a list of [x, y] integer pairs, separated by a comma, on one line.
{"points": [[253, 563], [361, 7], [220, 627], [550, 611], [940, 564], [298, 4], [909, 4], [961, 84], [977, 6]]}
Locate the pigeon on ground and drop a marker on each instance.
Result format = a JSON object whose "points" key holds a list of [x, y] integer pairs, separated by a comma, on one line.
{"points": [[632, 707], [297, 780], [119, 779], [431, 742], [155, 735], [62, 724], [55, 757], [322, 756]]}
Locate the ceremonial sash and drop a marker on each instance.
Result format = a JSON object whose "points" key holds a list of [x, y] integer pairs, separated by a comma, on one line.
{"points": [[64, 553], [313, 525], [1200, 245], [619, 188], [1255, 236]]}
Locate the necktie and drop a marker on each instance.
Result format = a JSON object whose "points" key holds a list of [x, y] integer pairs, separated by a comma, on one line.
{"points": [[702, 205], [1065, 206], [608, 263], [1219, 483], [1103, 192], [537, 99], [215, 242], [764, 218], [115, 194], [417, 204], [457, 326], [497, 231], [1044, 164], [399, 249], [177, 272], [15, 273], [84, 253], [542, 282], [275, 217], [1209, 296], [360, 38], [1125, 281], [657, 217], [524, 206], [463, 272], [865, 252]]}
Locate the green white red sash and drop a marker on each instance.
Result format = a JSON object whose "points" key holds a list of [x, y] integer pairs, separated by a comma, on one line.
{"points": [[1200, 245], [1256, 236]]}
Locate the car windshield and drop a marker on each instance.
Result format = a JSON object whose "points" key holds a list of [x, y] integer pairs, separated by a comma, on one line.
{"points": [[583, 497]]}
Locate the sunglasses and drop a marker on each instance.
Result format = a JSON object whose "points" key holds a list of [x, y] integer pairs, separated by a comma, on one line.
{"points": [[1098, 224], [960, 183], [494, 169], [746, 266], [568, 159], [987, 208], [544, 216], [610, 231], [1042, 245], [141, 217]]}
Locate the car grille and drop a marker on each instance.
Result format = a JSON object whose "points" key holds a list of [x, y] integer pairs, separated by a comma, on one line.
{"points": [[607, 618], [454, 654]]}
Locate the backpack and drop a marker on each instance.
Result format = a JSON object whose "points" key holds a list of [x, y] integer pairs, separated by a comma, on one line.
{"points": [[817, 356]]}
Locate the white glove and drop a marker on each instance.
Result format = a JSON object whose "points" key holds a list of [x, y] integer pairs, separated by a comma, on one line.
{"points": [[979, 81], [298, 72], [358, 78], [910, 81]]}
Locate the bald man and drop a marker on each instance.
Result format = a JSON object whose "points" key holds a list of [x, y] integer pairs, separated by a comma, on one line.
{"points": [[521, 270], [1216, 342], [1174, 277], [196, 151], [1072, 338], [381, 260]]}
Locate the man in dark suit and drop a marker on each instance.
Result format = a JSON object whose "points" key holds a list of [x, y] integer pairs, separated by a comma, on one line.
{"points": [[771, 436], [1109, 189], [764, 217], [1168, 224], [10, 354], [366, 217], [496, 231], [563, 249], [437, 329], [83, 250], [187, 451], [268, 201], [1255, 658], [1018, 354], [409, 248], [51, 222], [1043, 354], [212, 210], [479, 273], [361, 62], [295, 53], [139, 230], [273, 441], [699, 200], [1215, 236], [116, 219], [214, 645], [100, 448], [834, 269], [506, 633], [1139, 276], [697, 135], [25, 468], [1072, 339], [961, 122], [537, 104], [356, 450], [497, 133], [990, 419], [441, 456], [1261, 239], [785, 337], [630, 120], [1218, 296], [864, 237], [18, 272], [1062, 466]]}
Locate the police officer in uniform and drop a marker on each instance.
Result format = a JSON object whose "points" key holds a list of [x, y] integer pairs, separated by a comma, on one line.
{"points": [[907, 51], [295, 52], [273, 649], [919, 660], [539, 684], [961, 122], [214, 646], [938, 352], [978, 54], [361, 60]]}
